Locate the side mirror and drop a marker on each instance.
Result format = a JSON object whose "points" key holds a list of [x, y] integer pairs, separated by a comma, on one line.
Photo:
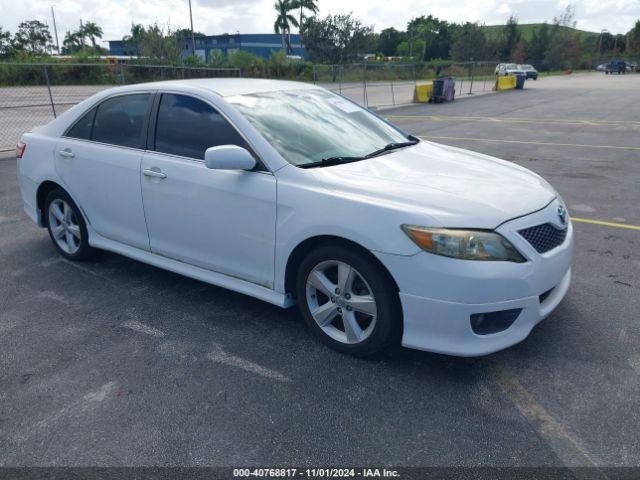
{"points": [[228, 157]]}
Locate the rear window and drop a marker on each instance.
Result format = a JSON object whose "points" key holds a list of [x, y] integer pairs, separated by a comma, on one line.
{"points": [[82, 128]]}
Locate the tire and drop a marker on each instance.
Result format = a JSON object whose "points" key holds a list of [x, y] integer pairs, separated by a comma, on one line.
{"points": [[66, 226], [368, 333]]}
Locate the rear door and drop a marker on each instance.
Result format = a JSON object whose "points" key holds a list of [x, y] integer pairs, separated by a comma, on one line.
{"points": [[99, 160], [221, 220]]}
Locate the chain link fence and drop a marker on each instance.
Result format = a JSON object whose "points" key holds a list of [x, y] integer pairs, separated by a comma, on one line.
{"points": [[33, 94], [384, 85]]}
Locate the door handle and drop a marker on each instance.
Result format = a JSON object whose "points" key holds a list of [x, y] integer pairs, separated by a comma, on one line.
{"points": [[154, 174], [66, 153]]}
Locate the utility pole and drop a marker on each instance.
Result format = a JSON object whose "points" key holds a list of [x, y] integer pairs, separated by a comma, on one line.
{"points": [[193, 38], [81, 38], [410, 42], [55, 29]]}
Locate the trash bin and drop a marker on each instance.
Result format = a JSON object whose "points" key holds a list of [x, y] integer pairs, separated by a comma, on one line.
{"points": [[443, 90], [438, 90], [520, 78], [449, 89]]}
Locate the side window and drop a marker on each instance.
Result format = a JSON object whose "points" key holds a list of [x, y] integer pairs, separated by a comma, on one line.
{"points": [[82, 128], [119, 120], [187, 126]]}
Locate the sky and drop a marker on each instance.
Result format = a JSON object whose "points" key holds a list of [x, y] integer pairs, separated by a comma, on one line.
{"points": [[257, 16]]}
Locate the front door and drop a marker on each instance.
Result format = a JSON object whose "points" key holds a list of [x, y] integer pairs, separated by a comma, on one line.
{"points": [[220, 220]]}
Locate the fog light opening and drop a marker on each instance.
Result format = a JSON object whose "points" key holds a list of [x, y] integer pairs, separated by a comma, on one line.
{"points": [[493, 322]]}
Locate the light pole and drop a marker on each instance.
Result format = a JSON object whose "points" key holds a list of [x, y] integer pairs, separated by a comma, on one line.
{"points": [[55, 29], [193, 38], [604, 30]]}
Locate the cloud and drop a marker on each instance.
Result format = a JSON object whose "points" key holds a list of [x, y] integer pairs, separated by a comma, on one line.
{"points": [[257, 16]]}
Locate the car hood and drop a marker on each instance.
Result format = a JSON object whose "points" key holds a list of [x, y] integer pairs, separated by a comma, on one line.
{"points": [[451, 186]]}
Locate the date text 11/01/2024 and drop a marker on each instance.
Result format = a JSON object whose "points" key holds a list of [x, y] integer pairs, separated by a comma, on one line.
{"points": [[315, 472]]}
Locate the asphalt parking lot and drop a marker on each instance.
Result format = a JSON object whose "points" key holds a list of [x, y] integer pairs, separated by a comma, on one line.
{"points": [[116, 363]]}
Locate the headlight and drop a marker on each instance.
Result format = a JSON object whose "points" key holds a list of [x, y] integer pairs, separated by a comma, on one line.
{"points": [[464, 244]]}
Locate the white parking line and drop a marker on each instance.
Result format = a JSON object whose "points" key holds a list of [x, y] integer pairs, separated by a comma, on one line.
{"points": [[222, 357], [634, 362], [56, 297], [50, 261], [142, 328], [73, 410]]}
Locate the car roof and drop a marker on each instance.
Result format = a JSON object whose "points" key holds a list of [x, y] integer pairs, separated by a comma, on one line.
{"points": [[224, 87]]}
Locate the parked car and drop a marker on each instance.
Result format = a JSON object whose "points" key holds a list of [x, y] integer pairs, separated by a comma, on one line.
{"points": [[290, 193], [602, 67], [504, 69], [529, 71], [616, 66]]}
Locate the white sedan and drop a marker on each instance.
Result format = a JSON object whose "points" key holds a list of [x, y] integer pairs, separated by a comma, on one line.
{"points": [[292, 194]]}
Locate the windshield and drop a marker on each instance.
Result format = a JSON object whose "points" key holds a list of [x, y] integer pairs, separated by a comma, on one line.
{"points": [[308, 126], [512, 66], [526, 67]]}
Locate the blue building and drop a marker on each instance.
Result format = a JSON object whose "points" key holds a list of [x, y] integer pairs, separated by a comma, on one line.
{"points": [[261, 44]]}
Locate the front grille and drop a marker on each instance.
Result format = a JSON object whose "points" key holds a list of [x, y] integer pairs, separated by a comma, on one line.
{"points": [[544, 237]]}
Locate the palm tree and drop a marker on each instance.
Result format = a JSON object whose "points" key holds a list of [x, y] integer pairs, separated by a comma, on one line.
{"points": [[132, 42], [71, 42], [310, 5], [284, 20], [93, 31]]}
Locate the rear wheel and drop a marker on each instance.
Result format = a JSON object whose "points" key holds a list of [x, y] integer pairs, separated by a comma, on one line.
{"points": [[347, 301], [66, 226]]}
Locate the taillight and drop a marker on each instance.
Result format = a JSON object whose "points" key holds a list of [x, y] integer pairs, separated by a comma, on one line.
{"points": [[20, 149]]}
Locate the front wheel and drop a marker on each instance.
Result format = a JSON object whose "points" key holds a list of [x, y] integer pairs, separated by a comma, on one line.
{"points": [[66, 226], [348, 302]]}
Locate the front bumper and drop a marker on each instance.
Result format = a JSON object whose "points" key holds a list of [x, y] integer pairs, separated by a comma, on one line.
{"points": [[439, 294]]}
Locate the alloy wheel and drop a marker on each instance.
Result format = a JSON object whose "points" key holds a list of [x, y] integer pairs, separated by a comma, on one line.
{"points": [[341, 302], [64, 225]]}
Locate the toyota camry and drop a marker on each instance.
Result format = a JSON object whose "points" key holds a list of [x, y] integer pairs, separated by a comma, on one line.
{"points": [[295, 195]]}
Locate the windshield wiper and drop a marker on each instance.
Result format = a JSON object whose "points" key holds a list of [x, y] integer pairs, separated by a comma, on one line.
{"points": [[392, 146], [326, 162]]}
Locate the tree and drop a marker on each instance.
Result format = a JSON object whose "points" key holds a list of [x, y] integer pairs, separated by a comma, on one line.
{"points": [[33, 36], [337, 38], [388, 41], [159, 45], [93, 31], [619, 44], [519, 52], [6, 43], [186, 33], [633, 39], [538, 46], [469, 42], [71, 43], [564, 42], [310, 5], [405, 49], [132, 42], [284, 20], [511, 37], [435, 36]]}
